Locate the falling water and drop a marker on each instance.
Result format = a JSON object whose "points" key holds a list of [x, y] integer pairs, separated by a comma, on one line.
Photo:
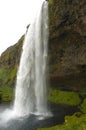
{"points": [[31, 87]]}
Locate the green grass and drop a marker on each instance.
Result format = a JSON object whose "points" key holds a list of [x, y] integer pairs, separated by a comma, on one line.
{"points": [[6, 93], [73, 122], [64, 97], [7, 81], [7, 75]]}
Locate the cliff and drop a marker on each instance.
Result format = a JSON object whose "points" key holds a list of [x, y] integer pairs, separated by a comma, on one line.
{"points": [[67, 46], [67, 36]]}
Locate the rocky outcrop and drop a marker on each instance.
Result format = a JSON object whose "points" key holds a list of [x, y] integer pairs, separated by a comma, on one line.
{"points": [[67, 41], [67, 54], [66, 15], [12, 55], [67, 44], [9, 62]]}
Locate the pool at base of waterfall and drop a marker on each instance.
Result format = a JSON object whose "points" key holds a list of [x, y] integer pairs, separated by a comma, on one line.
{"points": [[33, 121]]}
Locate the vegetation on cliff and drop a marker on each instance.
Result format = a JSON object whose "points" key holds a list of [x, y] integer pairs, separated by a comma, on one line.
{"points": [[9, 62], [67, 43], [67, 61]]}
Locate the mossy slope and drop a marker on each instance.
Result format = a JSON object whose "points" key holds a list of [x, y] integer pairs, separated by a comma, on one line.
{"points": [[64, 97], [71, 123], [9, 62], [7, 81]]}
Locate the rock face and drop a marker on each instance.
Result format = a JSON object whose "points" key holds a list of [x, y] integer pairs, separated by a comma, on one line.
{"points": [[11, 56], [67, 54], [9, 62], [66, 15], [67, 42]]}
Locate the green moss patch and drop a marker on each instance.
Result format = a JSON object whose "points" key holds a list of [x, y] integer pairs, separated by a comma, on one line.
{"points": [[83, 106], [73, 122], [7, 75], [51, 2], [7, 81], [4, 74], [64, 97], [6, 94]]}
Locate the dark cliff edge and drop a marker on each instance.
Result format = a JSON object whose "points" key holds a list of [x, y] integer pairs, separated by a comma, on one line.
{"points": [[67, 47]]}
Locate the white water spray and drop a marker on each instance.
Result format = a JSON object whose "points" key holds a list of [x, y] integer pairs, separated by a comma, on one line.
{"points": [[31, 87]]}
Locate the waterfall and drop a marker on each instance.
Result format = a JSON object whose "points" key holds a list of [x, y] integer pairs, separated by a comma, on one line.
{"points": [[31, 84]]}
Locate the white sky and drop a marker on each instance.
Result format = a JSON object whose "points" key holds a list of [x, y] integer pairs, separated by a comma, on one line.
{"points": [[15, 15]]}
